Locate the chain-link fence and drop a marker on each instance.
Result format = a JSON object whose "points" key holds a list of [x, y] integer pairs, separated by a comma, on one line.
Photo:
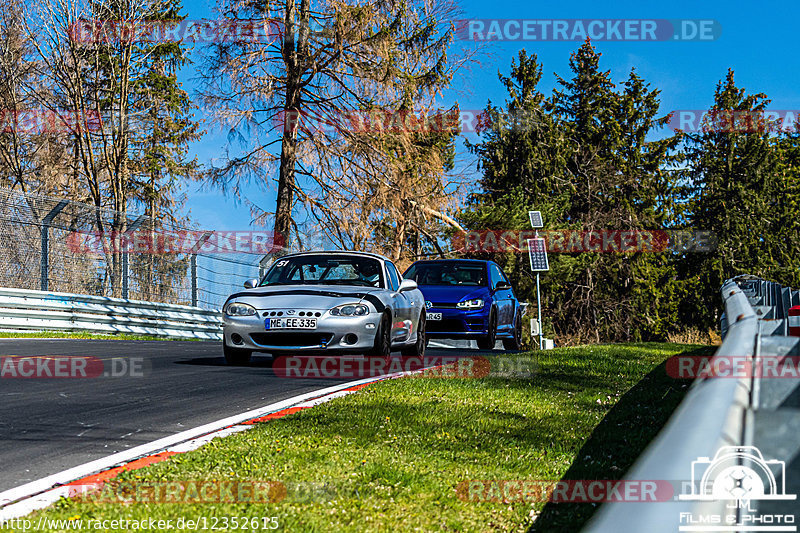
{"points": [[59, 245]]}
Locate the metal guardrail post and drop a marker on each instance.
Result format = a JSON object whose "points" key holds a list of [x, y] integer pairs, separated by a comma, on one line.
{"points": [[45, 257], [125, 266], [193, 262], [125, 272]]}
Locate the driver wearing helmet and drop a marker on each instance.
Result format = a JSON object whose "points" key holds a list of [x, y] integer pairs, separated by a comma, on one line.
{"points": [[368, 272]]}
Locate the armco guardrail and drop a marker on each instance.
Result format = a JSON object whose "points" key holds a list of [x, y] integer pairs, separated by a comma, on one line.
{"points": [[22, 309], [743, 411]]}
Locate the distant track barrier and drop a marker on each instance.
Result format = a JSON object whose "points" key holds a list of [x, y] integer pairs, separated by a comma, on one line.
{"points": [[22, 309]]}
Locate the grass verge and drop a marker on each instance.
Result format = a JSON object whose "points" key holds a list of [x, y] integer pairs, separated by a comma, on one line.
{"points": [[389, 458]]}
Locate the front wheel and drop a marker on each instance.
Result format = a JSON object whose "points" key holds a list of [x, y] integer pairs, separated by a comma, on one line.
{"points": [[236, 356], [418, 348], [487, 341], [383, 339], [515, 343]]}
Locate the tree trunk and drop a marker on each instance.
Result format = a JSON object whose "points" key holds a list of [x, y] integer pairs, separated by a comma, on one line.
{"points": [[295, 48], [399, 240]]}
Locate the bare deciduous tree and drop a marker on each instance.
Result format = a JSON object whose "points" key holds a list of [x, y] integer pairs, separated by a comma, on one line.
{"points": [[306, 85], [103, 81]]}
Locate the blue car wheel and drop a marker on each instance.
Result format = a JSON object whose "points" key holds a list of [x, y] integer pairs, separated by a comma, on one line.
{"points": [[515, 343], [487, 341]]}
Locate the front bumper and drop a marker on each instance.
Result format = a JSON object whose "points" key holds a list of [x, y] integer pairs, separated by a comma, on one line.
{"points": [[457, 323], [331, 333]]}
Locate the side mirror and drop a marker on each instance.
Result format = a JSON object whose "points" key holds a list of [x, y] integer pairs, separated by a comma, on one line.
{"points": [[408, 285], [250, 283]]}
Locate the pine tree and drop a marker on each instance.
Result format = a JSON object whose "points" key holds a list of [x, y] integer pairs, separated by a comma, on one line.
{"points": [[739, 190], [585, 161], [162, 112]]}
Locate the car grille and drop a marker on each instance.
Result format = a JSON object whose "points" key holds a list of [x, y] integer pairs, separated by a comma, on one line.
{"points": [[295, 312], [440, 305], [291, 338]]}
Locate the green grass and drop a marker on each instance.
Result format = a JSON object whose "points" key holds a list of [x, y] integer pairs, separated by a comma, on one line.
{"points": [[80, 335], [389, 457]]}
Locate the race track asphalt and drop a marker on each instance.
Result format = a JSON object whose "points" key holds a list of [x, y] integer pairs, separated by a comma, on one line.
{"points": [[48, 424]]}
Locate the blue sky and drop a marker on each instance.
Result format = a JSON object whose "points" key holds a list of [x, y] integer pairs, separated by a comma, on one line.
{"points": [[757, 40]]}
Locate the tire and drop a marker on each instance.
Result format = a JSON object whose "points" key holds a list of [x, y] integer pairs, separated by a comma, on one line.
{"points": [[236, 356], [515, 343], [383, 339], [418, 348], [487, 341]]}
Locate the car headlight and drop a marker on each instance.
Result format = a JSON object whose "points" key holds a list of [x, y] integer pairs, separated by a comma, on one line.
{"points": [[240, 309], [350, 310], [470, 304]]}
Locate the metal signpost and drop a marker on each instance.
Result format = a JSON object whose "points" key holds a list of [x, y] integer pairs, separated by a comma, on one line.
{"points": [[537, 253]]}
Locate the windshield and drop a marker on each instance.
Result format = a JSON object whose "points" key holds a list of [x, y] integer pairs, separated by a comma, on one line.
{"points": [[448, 273], [325, 270]]}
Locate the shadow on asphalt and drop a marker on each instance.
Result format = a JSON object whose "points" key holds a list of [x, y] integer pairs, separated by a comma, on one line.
{"points": [[265, 360], [618, 440]]}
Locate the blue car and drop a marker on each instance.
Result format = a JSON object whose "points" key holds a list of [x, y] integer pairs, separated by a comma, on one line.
{"points": [[468, 299]]}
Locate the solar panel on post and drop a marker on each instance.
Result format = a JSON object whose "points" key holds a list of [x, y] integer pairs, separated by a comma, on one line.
{"points": [[536, 219], [537, 252]]}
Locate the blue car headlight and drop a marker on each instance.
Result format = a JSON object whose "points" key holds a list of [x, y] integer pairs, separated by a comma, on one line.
{"points": [[240, 309], [470, 304], [350, 310]]}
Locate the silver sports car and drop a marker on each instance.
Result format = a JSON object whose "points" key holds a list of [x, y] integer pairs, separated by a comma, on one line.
{"points": [[326, 301]]}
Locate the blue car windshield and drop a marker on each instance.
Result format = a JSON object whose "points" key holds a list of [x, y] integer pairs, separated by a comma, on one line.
{"points": [[448, 273], [325, 270]]}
